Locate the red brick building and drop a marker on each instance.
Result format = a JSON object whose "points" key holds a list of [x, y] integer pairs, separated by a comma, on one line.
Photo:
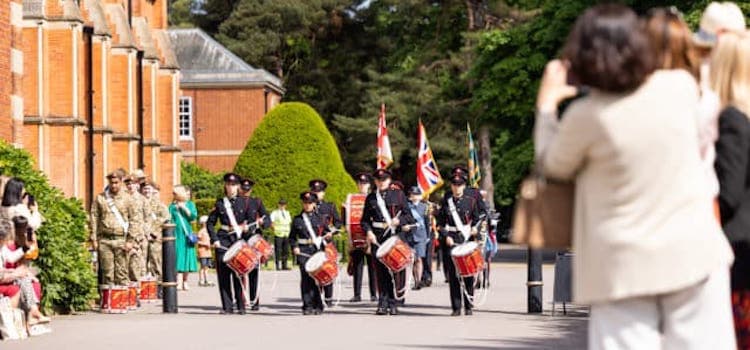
{"points": [[223, 100], [91, 86]]}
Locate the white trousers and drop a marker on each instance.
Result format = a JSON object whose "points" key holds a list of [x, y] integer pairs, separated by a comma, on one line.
{"points": [[697, 317]]}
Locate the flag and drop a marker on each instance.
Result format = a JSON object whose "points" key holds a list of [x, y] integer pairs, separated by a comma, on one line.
{"points": [[385, 157], [474, 174], [428, 176]]}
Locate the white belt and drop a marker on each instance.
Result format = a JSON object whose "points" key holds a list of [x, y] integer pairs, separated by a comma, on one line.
{"points": [[304, 241], [381, 225], [451, 229]]}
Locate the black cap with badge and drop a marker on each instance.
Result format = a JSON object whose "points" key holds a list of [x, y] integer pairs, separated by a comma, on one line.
{"points": [[231, 178], [317, 185], [381, 174], [246, 184], [308, 197]]}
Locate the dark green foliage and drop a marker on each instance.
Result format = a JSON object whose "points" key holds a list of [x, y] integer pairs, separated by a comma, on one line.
{"points": [[67, 278], [290, 147], [205, 205], [202, 183]]}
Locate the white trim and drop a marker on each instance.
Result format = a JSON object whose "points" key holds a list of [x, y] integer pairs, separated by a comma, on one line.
{"points": [[76, 158], [212, 153], [106, 139], [189, 114], [16, 14], [16, 61], [16, 107]]}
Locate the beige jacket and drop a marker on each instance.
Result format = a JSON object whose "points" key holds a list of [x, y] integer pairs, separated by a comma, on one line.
{"points": [[643, 222]]}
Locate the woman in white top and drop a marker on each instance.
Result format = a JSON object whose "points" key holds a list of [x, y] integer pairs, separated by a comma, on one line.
{"points": [[650, 257], [16, 203]]}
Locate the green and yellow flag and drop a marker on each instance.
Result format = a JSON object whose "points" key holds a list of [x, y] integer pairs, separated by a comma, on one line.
{"points": [[474, 174]]}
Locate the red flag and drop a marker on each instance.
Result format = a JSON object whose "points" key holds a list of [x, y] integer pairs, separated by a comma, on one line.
{"points": [[428, 176], [385, 157]]}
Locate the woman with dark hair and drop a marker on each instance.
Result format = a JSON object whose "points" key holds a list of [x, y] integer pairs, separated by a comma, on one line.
{"points": [[650, 257], [16, 203]]}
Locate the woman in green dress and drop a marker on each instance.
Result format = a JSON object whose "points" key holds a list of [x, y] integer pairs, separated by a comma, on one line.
{"points": [[183, 212]]}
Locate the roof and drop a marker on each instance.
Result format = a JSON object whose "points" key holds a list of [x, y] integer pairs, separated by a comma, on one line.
{"points": [[206, 62]]}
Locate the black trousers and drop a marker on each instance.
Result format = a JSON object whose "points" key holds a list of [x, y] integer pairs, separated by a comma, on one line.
{"points": [[427, 262], [311, 298], [252, 285], [227, 281], [455, 285], [281, 251], [359, 260]]}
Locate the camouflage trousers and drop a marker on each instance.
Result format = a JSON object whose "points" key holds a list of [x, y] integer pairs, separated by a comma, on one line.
{"points": [[113, 261], [154, 259]]}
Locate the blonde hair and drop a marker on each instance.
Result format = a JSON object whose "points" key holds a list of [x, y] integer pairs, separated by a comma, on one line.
{"points": [[730, 71], [180, 193]]}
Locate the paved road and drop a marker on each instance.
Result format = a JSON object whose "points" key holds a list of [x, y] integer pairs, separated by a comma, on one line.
{"points": [[500, 323]]}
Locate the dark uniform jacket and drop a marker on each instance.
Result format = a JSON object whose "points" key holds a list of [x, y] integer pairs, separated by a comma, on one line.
{"points": [[373, 220], [219, 214], [470, 208], [299, 236], [329, 214], [255, 209]]}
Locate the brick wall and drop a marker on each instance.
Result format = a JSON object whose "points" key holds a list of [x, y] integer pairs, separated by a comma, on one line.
{"points": [[5, 72]]}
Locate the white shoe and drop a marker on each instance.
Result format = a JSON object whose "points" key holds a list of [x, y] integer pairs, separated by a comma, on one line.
{"points": [[185, 286]]}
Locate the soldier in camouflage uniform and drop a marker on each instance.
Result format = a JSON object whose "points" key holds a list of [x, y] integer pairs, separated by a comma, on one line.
{"points": [[158, 214], [136, 257], [111, 214]]}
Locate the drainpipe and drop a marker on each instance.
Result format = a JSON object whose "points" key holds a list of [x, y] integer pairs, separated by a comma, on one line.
{"points": [[139, 106], [88, 33], [266, 91]]}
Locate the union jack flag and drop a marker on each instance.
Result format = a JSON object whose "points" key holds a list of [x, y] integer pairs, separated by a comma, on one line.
{"points": [[428, 176], [385, 157]]}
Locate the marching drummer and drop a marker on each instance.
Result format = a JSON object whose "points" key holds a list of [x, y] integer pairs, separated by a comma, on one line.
{"points": [[258, 219], [231, 213], [359, 255], [385, 214], [330, 216], [457, 221], [306, 238]]}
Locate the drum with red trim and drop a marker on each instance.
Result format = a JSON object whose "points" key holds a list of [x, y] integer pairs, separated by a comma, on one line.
{"points": [[468, 259], [261, 246], [132, 295], [321, 269], [332, 253], [114, 299], [395, 254], [149, 291], [355, 205], [241, 258]]}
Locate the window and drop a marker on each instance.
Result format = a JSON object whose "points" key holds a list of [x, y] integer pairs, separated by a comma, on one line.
{"points": [[186, 117]]}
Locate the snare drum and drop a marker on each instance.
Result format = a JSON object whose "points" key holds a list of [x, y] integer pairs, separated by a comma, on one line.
{"points": [[132, 295], [261, 246], [114, 299], [321, 269], [149, 291], [241, 258], [332, 253], [395, 254], [468, 259]]}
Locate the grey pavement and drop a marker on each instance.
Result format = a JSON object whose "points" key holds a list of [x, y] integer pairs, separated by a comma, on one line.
{"points": [[500, 323]]}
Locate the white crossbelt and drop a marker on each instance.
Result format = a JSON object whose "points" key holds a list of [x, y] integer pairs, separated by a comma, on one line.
{"points": [[112, 208], [232, 218], [464, 229], [383, 209], [315, 239]]}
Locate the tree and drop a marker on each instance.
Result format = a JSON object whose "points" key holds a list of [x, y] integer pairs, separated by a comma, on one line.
{"points": [[290, 147]]}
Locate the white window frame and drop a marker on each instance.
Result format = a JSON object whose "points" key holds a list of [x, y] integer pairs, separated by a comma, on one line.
{"points": [[189, 114]]}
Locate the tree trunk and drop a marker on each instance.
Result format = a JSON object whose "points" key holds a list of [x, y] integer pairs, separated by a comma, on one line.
{"points": [[485, 164]]}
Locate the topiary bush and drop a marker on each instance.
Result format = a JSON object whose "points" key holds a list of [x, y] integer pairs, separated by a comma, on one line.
{"points": [[290, 147], [68, 281]]}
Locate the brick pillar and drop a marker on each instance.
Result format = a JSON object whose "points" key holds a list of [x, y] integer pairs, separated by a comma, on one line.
{"points": [[16, 66]]}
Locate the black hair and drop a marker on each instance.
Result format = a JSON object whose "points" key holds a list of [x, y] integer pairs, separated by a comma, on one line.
{"points": [[13, 192]]}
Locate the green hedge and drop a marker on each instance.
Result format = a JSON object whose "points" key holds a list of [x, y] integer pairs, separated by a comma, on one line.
{"points": [[68, 280], [202, 183], [290, 147]]}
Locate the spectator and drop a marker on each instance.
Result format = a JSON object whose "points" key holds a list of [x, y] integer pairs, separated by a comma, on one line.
{"points": [[204, 252], [16, 203], [641, 211], [183, 211], [730, 76], [281, 222], [418, 238], [22, 277]]}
